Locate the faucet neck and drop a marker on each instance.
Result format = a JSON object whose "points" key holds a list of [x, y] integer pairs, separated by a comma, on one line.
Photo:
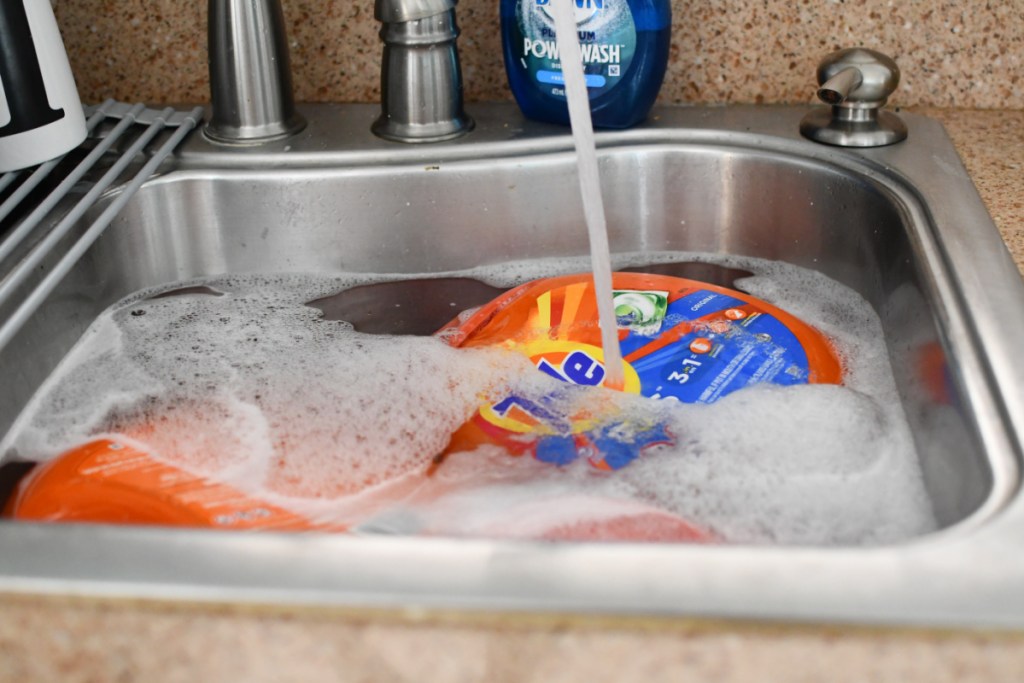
{"points": [[250, 73]]}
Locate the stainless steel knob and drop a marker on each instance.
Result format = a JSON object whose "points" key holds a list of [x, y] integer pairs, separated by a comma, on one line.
{"points": [[857, 82]]}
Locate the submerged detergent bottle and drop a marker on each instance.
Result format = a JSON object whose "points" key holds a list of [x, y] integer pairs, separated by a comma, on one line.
{"points": [[625, 45]]}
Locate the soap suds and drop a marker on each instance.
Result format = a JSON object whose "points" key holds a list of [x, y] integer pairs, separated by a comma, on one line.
{"points": [[244, 383]]}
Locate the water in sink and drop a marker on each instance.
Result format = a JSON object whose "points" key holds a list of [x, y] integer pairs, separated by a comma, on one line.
{"points": [[248, 385]]}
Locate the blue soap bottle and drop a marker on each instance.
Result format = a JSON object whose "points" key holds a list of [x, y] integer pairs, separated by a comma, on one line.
{"points": [[625, 45]]}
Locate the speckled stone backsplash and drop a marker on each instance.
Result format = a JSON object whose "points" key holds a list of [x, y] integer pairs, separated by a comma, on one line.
{"points": [[951, 53]]}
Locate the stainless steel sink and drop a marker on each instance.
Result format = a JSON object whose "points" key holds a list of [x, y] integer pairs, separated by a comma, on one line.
{"points": [[902, 225]]}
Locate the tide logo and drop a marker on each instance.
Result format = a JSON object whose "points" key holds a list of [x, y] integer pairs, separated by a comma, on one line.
{"points": [[559, 432], [574, 362], [577, 368], [566, 361]]}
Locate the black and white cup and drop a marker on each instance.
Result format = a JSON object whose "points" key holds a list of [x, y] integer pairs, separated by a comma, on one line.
{"points": [[40, 114]]}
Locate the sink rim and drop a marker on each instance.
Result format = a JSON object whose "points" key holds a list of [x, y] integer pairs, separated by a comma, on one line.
{"points": [[919, 581]]}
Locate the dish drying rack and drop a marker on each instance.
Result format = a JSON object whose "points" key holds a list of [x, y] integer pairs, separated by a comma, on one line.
{"points": [[27, 199]]}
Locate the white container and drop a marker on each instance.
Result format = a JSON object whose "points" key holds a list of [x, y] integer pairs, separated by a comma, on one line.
{"points": [[40, 114]]}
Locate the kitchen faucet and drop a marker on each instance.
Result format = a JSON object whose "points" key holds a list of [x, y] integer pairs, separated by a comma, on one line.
{"points": [[250, 74]]}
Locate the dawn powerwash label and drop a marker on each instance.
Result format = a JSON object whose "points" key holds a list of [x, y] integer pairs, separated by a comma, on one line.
{"points": [[607, 41]]}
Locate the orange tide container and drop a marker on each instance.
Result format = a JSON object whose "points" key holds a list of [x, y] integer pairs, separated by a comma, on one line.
{"points": [[681, 340], [116, 481]]}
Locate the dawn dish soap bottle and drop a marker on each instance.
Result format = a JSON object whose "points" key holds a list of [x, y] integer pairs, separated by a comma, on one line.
{"points": [[625, 45]]}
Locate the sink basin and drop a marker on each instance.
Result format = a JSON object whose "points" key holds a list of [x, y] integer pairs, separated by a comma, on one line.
{"points": [[901, 225]]}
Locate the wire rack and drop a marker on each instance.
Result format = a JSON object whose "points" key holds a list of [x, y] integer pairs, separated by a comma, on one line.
{"points": [[121, 136]]}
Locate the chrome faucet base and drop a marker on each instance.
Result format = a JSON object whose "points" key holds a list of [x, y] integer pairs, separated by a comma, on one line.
{"points": [[250, 135], [396, 131], [832, 127]]}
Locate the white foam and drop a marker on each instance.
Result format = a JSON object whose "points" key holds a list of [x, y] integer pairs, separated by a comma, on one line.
{"points": [[253, 389], [808, 464]]}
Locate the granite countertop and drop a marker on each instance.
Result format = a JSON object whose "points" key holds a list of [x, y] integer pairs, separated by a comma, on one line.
{"points": [[75, 639], [738, 51]]}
